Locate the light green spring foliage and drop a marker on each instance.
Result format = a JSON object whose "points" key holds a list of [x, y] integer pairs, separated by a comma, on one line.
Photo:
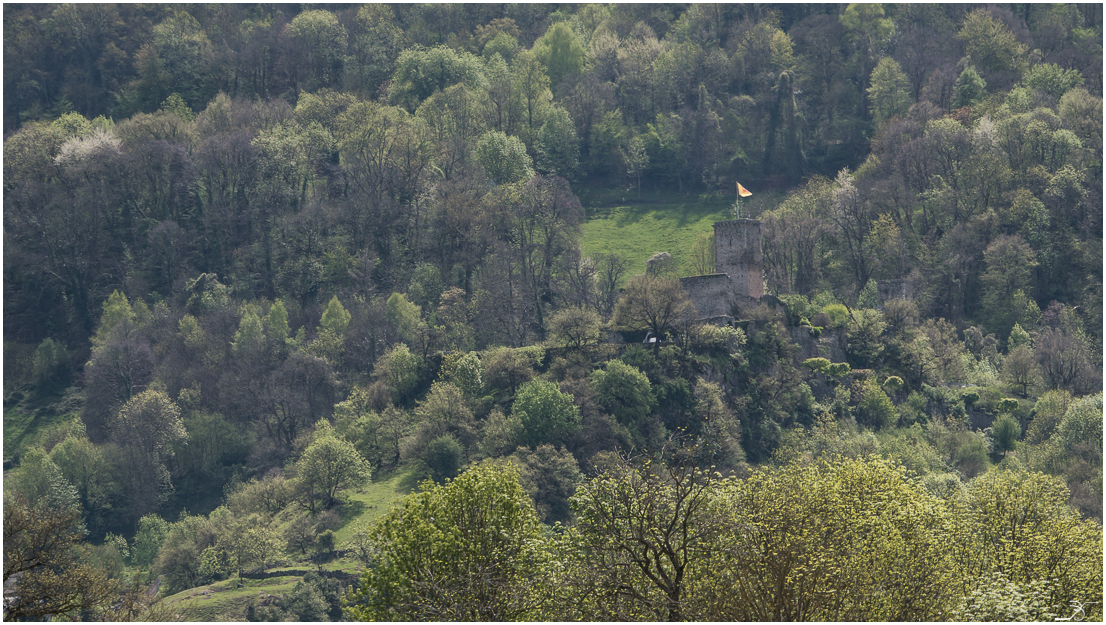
{"points": [[990, 44], [331, 464], [151, 422], [250, 337], [442, 457], [1053, 80], [869, 296], [997, 599], [471, 549], [243, 542], [330, 342], [1005, 432], [402, 315], [624, 391], [889, 95], [913, 452], [1019, 523], [178, 559], [116, 310], [398, 368], [504, 158], [87, 467], [561, 52], [1082, 423], [558, 146], [865, 329], [73, 124], [444, 410], [969, 89], [50, 361], [335, 318], [838, 314], [426, 287], [547, 415], [837, 540], [499, 434], [464, 370], [152, 532], [1083, 113], [645, 535], [816, 364], [412, 82], [867, 21], [40, 480], [1018, 337], [575, 327], [1047, 414], [320, 38]]}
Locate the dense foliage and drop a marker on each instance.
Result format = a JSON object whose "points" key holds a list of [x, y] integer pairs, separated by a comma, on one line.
{"points": [[255, 255]]}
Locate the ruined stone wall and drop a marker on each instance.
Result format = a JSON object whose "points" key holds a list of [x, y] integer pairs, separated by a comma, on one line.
{"points": [[711, 294], [895, 289], [738, 254]]}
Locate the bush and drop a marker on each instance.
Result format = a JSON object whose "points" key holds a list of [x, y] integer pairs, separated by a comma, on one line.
{"points": [[1005, 433], [913, 410], [624, 391], [875, 409], [970, 456], [798, 309], [325, 541], [443, 457], [547, 415], [816, 364], [1047, 414], [838, 315]]}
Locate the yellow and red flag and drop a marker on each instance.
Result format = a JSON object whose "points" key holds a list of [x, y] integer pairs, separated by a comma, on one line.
{"points": [[742, 191]]}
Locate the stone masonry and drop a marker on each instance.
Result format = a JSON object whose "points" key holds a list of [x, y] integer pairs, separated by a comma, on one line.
{"points": [[739, 278]]}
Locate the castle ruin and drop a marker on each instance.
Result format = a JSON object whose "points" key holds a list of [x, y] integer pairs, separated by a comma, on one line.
{"points": [[738, 282]]}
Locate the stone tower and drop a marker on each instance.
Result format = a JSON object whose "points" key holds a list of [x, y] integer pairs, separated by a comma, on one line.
{"points": [[738, 253]]}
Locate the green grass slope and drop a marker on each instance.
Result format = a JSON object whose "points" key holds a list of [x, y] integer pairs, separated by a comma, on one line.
{"points": [[28, 417], [225, 601], [368, 504], [618, 222]]}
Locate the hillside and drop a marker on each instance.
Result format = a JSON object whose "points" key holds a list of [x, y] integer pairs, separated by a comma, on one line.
{"points": [[375, 290]]}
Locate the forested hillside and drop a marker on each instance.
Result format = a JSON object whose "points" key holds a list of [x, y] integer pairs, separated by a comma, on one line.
{"points": [[260, 259]]}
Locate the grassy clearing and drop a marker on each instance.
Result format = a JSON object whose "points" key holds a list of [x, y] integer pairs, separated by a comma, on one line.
{"points": [[225, 601], [621, 223], [370, 503], [27, 417]]}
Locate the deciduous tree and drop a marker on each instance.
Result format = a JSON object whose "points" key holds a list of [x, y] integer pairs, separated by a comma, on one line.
{"points": [[469, 549], [40, 557], [653, 303], [547, 415], [328, 465], [645, 536]]}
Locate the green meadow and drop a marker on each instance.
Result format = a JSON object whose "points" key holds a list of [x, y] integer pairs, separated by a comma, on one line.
{"points": [[635, 228]]}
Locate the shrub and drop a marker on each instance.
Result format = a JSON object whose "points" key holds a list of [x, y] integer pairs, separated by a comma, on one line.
{"points": [[838, 315]]}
